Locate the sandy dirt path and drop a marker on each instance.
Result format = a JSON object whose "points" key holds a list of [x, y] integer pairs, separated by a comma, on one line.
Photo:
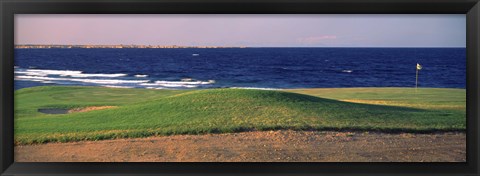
{"points": [[270, 146]]}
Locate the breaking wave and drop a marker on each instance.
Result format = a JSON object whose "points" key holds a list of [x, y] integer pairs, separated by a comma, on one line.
{"points": [[141, 76], [255, 88], [65, 73], [117, 80], [182, 84]]}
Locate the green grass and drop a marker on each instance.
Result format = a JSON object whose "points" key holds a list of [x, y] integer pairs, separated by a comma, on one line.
{"points": [[423, 98], [142, 113]]}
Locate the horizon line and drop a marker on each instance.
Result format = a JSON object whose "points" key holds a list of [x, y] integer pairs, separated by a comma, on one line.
{"points": [[220, 46]]}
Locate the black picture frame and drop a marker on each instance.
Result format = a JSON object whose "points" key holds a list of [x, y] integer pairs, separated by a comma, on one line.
{"points": [[11, 7]]}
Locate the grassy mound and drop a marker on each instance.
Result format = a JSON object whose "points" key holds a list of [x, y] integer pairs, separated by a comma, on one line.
{"points": [[143, 113]]}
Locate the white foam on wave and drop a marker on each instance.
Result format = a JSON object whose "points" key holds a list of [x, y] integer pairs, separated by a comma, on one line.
{"points": [[156, 85], [73, 77], [84, 75], [178, 84], [95, 81], [186, 82], [64, 73], [123, 87], [347, 71], [154, 88], [30, 73], [255, 88]]}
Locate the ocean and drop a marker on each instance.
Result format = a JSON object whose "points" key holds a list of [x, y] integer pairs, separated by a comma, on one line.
{"points": [[263, 68]]}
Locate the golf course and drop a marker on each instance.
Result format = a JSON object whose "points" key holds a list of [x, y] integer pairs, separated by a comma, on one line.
{"points": [[99, 113]]}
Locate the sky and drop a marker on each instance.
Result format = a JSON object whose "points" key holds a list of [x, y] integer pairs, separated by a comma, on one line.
{"points": [[286, 30]]}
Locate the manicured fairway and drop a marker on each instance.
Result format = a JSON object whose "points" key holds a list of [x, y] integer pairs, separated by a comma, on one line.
{"points": [[141, 112], [422, 98]]}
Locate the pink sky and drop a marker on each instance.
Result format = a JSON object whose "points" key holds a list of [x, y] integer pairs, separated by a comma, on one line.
{"points": [[244, 30]]}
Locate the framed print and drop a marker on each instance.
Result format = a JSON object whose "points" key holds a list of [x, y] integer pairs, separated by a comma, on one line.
{"points": [[239, 87]]}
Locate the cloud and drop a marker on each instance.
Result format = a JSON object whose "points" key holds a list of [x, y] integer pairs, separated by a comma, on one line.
{"points": [[316, 39]]}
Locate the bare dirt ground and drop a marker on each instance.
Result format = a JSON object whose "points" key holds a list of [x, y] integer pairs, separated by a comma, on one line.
{"points": [[270, 146]]}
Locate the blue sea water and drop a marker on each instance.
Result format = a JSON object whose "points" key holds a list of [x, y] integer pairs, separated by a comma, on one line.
{"points": [[275, 68]]}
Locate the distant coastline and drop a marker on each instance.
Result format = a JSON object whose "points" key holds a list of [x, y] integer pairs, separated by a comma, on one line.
{"points": [[47, 46], [31, 46]]}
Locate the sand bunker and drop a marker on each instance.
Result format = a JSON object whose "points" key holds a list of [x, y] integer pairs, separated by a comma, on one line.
{"points": [[74, 110], [90, 108]]}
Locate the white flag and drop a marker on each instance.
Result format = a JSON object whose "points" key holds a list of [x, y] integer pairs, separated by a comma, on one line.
{"points": [[419, 67]]}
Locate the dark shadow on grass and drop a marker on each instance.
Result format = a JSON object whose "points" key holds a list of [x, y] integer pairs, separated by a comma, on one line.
{"points": [[291, 97], [309, 98]]}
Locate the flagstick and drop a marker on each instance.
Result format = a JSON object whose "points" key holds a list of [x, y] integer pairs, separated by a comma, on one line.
{"points": [[416, 80]]}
